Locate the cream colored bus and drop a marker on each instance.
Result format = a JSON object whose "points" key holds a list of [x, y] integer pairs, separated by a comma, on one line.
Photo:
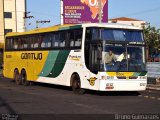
{"points": [[74, 55]]}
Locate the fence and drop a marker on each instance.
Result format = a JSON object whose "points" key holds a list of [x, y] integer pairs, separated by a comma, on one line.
{"points": [[153, 69]]}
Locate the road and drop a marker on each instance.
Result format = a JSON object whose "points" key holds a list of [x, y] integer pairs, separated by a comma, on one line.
{"points": [[41, 99]]}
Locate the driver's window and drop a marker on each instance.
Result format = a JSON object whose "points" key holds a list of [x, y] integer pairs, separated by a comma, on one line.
{"points": [[114, 58]]}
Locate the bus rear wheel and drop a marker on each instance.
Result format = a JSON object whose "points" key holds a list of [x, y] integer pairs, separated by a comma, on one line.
{"points": [[23, 78], [17, 77], [76, 85]]}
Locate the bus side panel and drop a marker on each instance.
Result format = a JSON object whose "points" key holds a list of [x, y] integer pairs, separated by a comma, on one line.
{"points": [[31, 61]]}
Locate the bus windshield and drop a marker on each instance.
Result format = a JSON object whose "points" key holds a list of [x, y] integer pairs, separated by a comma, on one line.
{"points": [[123, 58], [121, 35], [115, 50]]}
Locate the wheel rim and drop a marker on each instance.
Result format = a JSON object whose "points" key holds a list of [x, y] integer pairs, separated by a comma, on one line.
{"points": [[17, 78], [23, 78]]}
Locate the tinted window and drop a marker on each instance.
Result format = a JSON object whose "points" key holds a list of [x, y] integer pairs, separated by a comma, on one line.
{"points": [[7, 15], [121, 35], [7, 31]]}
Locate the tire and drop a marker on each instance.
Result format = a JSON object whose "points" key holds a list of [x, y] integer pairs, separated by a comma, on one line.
{"points": [[17, 78], [23, 78], [14, 76], [76, 85]]}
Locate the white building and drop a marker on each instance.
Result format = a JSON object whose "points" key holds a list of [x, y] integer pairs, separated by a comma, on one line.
{"points": [[11, 17], [128, 21]]}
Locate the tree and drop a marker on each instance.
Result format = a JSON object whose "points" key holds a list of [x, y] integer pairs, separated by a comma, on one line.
{"points": [[152, 37]]}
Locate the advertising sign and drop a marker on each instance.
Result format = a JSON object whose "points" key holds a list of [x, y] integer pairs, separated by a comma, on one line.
{"points": [[84, 11]]}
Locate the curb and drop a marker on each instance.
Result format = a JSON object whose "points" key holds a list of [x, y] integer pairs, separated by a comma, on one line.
{"points": [[153, 87]]}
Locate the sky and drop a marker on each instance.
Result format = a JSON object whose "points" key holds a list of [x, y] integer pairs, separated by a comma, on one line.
{"points": [[147, 10]]}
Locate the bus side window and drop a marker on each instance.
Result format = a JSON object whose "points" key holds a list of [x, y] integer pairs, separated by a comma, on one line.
{"points": [[26, 44], [46, 41], [71, 38], [78, 38], [62, 39], [9, 44], [34, 41], [56, 40], [49, 41], [20, 43], [15, 43]]}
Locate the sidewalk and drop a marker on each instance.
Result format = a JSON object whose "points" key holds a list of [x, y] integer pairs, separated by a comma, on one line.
{"points": [[153, 87]]}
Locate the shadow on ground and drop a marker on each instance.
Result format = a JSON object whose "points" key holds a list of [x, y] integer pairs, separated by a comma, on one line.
{"points": [[91, 92], [8, 108]]}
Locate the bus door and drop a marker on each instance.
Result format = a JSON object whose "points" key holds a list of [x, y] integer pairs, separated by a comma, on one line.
{"points": [[95, 57]]}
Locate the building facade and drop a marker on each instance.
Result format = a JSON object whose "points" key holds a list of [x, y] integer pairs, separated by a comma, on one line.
{"points": [[11, 17], [128, 21], [12, 13]]}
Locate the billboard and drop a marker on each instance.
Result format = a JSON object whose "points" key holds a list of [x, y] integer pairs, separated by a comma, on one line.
{"points": [[84, 11]]}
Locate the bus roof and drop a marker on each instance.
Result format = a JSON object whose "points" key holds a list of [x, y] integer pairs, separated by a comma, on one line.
{"points": [[43, 30], [66, 27], [111, 25]]}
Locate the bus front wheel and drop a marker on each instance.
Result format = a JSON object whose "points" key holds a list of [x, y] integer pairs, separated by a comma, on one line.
{"points": [[17, 77], [76, 85]]}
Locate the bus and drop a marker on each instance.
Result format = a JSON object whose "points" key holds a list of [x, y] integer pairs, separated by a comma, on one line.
{"points": [[1, 55], [75, 56]]}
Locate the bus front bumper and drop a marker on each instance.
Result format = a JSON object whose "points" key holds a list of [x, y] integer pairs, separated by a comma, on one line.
{"points": [[122, 85]]}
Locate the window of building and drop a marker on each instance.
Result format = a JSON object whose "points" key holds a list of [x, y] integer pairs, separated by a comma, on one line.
{"points": [[7, 15], [7, 31]]}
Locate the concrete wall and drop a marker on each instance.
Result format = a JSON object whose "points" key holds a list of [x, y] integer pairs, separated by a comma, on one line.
{"points": [[10, 23], [134, 23], [153, 69], [20, 6]]}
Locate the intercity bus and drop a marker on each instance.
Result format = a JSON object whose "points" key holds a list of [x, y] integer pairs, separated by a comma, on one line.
{"points": [[74, 55], [1, 55]]}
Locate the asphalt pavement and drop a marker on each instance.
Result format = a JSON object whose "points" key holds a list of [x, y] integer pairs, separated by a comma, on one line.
{"points": [[49, 102]]}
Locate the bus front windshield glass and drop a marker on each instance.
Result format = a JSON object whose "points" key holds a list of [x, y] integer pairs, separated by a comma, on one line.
{"points": [[115, 50], [121, 35], [123, 58]]}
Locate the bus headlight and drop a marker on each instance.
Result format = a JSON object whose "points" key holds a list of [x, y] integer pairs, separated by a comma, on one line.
{"points": [[107, 77], [103, 77], [142, 84], [143, 77]]}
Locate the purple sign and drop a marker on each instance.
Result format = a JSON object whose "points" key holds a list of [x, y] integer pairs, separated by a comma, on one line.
{"points": [[84, 11]]}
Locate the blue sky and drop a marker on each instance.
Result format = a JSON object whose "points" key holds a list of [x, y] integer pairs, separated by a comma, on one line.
{"points": [[148, 10]]}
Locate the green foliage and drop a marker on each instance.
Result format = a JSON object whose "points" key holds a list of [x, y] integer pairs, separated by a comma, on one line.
{"points": [[152, 37]]}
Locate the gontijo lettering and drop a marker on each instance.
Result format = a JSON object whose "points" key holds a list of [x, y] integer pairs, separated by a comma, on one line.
{"points": [[31, 56]]}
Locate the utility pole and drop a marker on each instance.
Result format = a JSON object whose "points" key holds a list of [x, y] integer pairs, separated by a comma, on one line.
{"points": [[100, 11], [42, 21], [26, 16]]}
